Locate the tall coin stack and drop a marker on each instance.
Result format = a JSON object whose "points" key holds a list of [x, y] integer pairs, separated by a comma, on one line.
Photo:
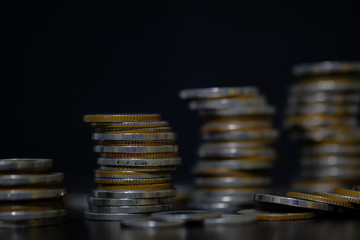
{"points": [[30, 195], [322, 116], [137, 153], [236, 151]]}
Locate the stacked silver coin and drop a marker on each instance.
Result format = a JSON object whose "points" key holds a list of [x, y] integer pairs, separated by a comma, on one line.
{"points": [[322, 115], [137, 154], [236, 150], [30, 195]]}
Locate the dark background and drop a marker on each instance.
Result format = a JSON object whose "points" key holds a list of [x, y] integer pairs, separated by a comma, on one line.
{"points": [[61, 60]]}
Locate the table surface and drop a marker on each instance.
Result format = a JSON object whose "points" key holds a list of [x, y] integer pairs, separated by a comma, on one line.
{"points": [[75, 227]]}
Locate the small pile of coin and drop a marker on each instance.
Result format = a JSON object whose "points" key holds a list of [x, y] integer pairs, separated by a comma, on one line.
{"points": [[300, 205], [30, 195], [236, 151], [322, 116], [137, 153]]}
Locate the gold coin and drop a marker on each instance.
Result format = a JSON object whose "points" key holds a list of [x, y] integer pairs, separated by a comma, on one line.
{"points": [[121, 117], [347, 192], [317, 198]]}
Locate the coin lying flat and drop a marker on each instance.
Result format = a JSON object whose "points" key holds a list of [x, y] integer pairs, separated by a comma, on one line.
{"points": [[161, 136], [321, 199], [130, 209], [25, 165], [127, 201], [112, 216], [25, 179], [136, 149], [218, 92], [276, 216], [134, 194], [184, 215], [14, 195], [150, 223], [30, 215], [230, 219], [121, 117], [139, 162]]}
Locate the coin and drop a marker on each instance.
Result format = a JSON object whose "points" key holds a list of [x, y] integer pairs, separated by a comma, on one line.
{"points": [[134, 193], [184, 215], [139, 162], [121, 117], [150, 223], [25, 179], [160, 136], [29, 194], [31, 223], [218, 92], [230, 219], [136, 149], [25, 165], [276, 216], [112, 216], [292, 202], [130, 209], [127, 201]]}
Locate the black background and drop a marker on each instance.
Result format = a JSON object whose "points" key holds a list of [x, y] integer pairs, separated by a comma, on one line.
{"points": [[61, 60]]}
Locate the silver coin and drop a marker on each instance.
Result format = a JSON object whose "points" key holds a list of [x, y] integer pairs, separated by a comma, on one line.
{"points": [[162, 136], [331, 86], [112, 216], [332, 149], [230, 219], [226, 145], [240, 110], [241, 135], [235, 152], [14, 195], [234, 125], [322, 109], [144, 162], [136, 149], [323, 97], [32, 223], [134, 193], [225, 103], [146, 124], [138, 168], [330, 172], [121, 130], [322, 122], [184, 215], [150, 223], [218, 92], [130, 209], [226, 199], [25, 164], [292, 202], [235, 164], [232, 181], [27, 179], [333, 134], [219, 207], [127, 201], [326, 67], [243, 193], [132, 181], [328, 161], [130, 174], [30, 215]]}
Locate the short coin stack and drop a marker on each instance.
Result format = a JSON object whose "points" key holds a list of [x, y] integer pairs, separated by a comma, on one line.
{"points": [[322, 115], [236, 150], [30, 195], [137, 154]]}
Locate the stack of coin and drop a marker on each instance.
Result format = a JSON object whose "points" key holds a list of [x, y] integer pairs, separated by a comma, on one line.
{"points": [[236, 151], [322, 115], [30, 195], [137, 153]]}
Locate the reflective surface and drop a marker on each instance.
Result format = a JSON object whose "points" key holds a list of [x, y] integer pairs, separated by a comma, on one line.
{"points": [[78, 228]]}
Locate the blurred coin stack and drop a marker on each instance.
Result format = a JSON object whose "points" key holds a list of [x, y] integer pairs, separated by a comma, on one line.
{"points": [[30, 195], [236, 150], [137, 154], [322, 116]]}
